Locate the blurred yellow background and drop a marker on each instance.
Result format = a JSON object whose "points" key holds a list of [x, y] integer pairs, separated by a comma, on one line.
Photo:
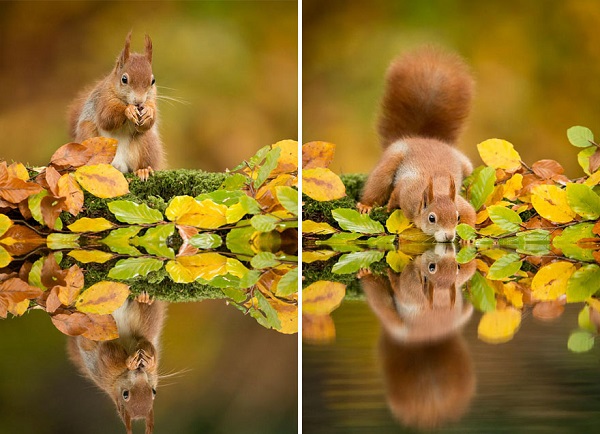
{"points": [[536, 65], [234, 64]]}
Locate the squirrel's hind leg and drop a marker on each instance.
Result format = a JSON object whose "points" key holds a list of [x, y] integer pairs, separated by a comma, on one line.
{"points": [[379, 185]]}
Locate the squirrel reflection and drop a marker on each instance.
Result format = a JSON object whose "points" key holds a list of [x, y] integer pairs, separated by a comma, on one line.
{"points": [[426, 364], [126, 368]]}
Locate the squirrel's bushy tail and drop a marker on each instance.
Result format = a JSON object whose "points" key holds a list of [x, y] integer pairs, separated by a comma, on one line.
{"points": [[428, 93]]}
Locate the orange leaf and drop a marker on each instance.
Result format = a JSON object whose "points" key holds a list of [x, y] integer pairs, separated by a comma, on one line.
{"points": [[318, 329], [546, 169], [52, 301], [51, 207], [101, 328], [20, 240], [101, 149], [317, 154], [70, 190], [102, 180], [70, 155], [15, 290], [68, 293], [14, 189], [52, 177], [71, 323]]}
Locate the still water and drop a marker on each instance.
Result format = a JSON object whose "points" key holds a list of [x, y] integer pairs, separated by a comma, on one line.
{"points": [[531, 384]]}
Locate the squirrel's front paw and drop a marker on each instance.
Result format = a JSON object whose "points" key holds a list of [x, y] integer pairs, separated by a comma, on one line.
{"points": [[144, 174], [131, 112], [363, 209], [146, 117]]}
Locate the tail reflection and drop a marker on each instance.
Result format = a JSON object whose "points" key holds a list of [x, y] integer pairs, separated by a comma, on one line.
{"points": [[126, 368], [426, 364]]}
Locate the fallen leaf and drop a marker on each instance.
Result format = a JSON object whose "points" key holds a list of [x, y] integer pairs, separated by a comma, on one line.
{"points": [[322, 184], [71, 323], [101, 149], [101, 328], [71, 192], [322, 297], [102, 180], [103, 298], [19, 240], [317, 154], [70, 155], [546, 169], [499, 154]]}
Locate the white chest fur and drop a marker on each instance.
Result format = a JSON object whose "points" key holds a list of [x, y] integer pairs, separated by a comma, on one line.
{"points": [[124, 156]]}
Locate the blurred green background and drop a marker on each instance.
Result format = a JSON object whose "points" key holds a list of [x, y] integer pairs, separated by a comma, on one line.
{"points": [[536, 64], [234, 63]]}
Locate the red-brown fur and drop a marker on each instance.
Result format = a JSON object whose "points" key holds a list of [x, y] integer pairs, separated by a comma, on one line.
{"points": [[120, 111], [426, 100]]}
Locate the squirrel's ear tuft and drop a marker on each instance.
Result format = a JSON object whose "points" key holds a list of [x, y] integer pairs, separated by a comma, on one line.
{"points": [[124, 56], [149, 48]]}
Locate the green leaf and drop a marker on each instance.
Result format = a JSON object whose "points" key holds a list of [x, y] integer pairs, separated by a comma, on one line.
{"points": [[134, 267], [581, 137], [264, 223], [351, 220], [466, 254], [34, 202], [269, 164], [482, 187], [583, 283], [35, 274], [580, 341], [225, 197], [5, 223], [249, 279], [506, 218], [339, 238], [5, 257], [583, 158], [482, 293], [584, 321], [235, 181], [387, 240], [567, 241], [352, 262], [288, 284], [206, 241], [265, 315], [505, 266], [583, 201], [239, 240], [155, 241], [134, 213], [466, 232], [288, 198], [62, 241], [264, 260], [118, 240]]}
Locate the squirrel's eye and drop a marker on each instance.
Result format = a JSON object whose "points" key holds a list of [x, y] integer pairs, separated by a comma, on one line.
{"points": [[153, 81], [126, 395], [124, 79], [432, 267], [153, 392], [432, 218], [457, 216]]}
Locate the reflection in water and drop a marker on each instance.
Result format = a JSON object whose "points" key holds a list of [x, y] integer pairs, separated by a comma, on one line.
{"points": [[426, 364], [126, 368]]}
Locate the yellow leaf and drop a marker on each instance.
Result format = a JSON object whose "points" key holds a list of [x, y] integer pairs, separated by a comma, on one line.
{"points": [[499, 154], [496, 195], [87, 224], [87, 256], [397, 222], [397, 260], [102, 180], [287, 314], [103, 298], [322, 297], [317, 154], [288, 157], [593, 180], [550, 282], [482, 216], [513, 186], [322, 184], [311, 227], [70, 190], [499, 326], [492, 230], [310, 256], [512, 294], [236, 268], [18, 170], [17, 309], [185, 210], [186, 269], [551, 203], [494, 254], [318, 329]]}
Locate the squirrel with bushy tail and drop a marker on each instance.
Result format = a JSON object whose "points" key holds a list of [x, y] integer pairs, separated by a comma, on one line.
{"points": [[426, 101]]}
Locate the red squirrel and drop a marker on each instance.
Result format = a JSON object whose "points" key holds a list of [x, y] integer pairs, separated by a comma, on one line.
{"points": [[123, 106], [126, 368], [426, 100]]}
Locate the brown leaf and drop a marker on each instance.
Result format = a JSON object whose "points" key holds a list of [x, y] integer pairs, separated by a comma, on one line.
{"points": [[15, 290], [52, 176], [14, 189], [595, 161], [101, 149], [101, 328], [596, 255], [20, 240], [596, 228], [548, 310], [71, 323], [52, 274], [546, 169], [71, 192], [24, 208], [51, 207], [70, 155], [25, 270], [317, 154], [73, 284], [53, 302]]}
